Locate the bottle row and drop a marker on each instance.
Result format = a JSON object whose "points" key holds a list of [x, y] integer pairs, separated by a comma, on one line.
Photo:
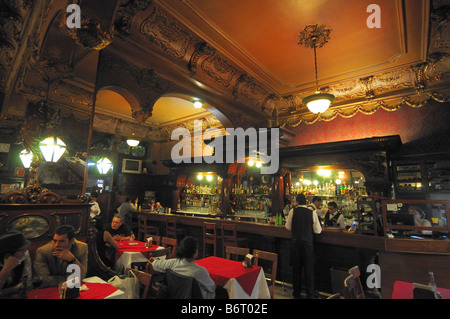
{"points": [[202, 189], [263, 189], [328, 189]]}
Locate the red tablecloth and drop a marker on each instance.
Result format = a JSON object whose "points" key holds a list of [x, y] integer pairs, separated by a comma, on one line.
{"points": [[95, 291], [221, 270], [404, 290], [135, 246]]}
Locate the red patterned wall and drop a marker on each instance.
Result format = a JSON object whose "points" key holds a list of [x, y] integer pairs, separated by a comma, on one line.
{"points": [[409, 123]]}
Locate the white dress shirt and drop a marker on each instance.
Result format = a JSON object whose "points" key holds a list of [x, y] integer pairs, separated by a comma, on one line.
{"points": [[317, 229]]}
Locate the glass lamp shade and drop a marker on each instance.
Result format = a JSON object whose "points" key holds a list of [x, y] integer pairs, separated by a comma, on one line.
{"points": [[132, 142], [52, 148], [26, 157], [103, 165], [318, 102]]}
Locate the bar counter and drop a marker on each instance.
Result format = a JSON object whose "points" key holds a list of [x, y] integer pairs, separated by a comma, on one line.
{"points": [[333, 248], [336, 251]]}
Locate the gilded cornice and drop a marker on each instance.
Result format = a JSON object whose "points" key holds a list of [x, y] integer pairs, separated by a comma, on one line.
{"points": [[208, 65]]}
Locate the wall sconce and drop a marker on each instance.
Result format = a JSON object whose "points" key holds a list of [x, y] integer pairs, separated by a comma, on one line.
{"points": [[52, 148], [26, 157], [103, 165], [198, 104]]}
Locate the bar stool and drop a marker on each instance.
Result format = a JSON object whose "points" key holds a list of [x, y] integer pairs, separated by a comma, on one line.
{"points": [[144, 228], [171, 229], [229, 237], [209, 237]]}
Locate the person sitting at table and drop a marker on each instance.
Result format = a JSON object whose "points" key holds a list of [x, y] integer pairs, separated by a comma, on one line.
{"points": [[106, 247], [333, 217], [420, 220], [119, 230], [53, 258], [183, 264], [15, 263], [127, 208]]}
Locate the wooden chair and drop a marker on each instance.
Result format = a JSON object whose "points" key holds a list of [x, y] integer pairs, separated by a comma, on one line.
{"points": [[353, 287], [232, 253], [335, 296], [156, 239], [167, 252], [144, 228], [209, 237], [171, 229], [170, 242], [157, 279], [228, 235], [144, 280], [269, 272]]}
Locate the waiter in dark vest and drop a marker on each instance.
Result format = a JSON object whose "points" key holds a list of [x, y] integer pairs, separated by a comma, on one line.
{"points": [[303, 223]]}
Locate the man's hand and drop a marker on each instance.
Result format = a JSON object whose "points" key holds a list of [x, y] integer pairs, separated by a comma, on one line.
{"points": [[63, 254]]}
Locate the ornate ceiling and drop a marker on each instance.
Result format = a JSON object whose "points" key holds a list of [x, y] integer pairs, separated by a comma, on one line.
{"points": [[149, 60]]}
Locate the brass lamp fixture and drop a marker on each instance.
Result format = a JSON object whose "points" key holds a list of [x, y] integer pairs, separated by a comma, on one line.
{"points": [[315, 36], [132, 142], [104, 165], [26, 157], [52, 148]]}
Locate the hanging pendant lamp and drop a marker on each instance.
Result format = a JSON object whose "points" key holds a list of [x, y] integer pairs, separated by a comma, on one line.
{"points": [[315, 36]]}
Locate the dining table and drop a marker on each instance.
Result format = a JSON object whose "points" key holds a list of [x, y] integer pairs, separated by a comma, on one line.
{"points": [[405, 290], [240, 282], [129, 252], [91, 288]]}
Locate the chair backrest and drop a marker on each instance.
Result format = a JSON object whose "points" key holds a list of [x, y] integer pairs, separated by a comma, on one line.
{"points": [[353, 286], [171, 227], [209, 231], [170, 242], [159, 253], [270, 271], [144, 280], [335, 296], [233, 253], [156, 239], [182, 287], [228, 232], [142, 221]]}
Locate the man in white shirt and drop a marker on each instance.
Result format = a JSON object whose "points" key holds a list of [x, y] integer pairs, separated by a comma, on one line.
{"points": [[303, 223], [184, 264], [95, 207]]}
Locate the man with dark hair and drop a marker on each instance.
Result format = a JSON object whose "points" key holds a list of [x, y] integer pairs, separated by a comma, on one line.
{"points": [[127, 209], [53, 258], [183, 264], [303, 223], [333, 217]]}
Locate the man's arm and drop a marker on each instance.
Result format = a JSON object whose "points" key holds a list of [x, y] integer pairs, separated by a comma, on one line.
{"points": [[317, 229], [43, 269], [288, 224]]}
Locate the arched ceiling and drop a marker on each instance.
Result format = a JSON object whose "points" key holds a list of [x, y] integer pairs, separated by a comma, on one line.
{"points": [[166, 111], [241, 57]]}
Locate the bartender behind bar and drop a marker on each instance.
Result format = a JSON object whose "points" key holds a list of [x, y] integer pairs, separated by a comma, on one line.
{"points": [[333, 217]]}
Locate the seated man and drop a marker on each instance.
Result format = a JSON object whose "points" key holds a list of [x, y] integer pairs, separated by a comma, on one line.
{"points": [[53, 258], [183, 264], [333, 217], [119, 230]]}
